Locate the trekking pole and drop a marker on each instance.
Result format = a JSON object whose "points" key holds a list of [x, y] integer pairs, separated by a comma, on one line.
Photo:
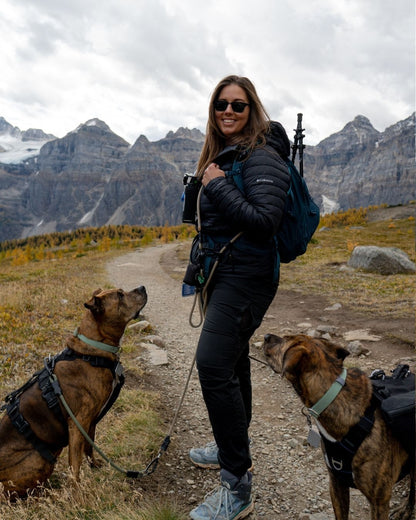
{"points": [[298, 144]]}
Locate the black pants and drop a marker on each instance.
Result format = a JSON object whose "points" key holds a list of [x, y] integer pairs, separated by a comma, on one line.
{"points": [[238, 300]]}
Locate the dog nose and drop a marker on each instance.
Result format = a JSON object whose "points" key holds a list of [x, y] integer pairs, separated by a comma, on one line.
{"points": [[141, 290]]}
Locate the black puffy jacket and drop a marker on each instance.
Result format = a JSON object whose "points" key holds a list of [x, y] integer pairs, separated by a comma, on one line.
{"points": [[225, 210]]}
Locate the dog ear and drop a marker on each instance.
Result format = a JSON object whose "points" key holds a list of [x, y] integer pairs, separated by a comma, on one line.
{"points": [[292, 358], [342, 353], [95, 304]]}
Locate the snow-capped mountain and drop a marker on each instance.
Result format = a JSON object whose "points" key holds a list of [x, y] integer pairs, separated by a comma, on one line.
{"points": [[18, 146]]}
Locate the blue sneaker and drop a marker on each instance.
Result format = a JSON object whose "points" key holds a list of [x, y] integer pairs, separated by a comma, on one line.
{"points": [[206, 457], [230, 501]]}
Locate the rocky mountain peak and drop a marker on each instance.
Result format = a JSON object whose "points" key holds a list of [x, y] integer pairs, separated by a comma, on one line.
{"points": [[35, 134], [94, 123], [194, 134], [360, 131], [8, 129]]}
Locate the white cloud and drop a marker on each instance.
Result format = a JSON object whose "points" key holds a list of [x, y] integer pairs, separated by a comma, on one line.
{"points": [[147, 67]]}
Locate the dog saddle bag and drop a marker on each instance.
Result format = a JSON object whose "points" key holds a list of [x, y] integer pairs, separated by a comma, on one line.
{"points": [[396, 394]]}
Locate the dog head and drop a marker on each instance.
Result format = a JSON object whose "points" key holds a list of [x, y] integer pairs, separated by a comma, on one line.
{"points": [[114, 308], [298, 355]]}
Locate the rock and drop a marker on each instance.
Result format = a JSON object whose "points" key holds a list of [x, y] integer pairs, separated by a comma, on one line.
{"points": [[381, 260], [334, 307], [356, 349], [156, 340], [157, 356], [142, 325], [303, 325], [313, 333], [360, 334], [330, 329]]}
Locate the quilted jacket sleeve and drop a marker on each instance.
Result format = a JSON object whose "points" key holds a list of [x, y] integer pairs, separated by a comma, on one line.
{"points": [[258, 210]]}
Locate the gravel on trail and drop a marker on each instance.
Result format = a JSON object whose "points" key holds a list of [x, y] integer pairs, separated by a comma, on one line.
{"points": [[290, 479]]}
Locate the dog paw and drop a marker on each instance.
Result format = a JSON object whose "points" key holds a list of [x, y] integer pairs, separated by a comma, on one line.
{"points": [[94, 463]]}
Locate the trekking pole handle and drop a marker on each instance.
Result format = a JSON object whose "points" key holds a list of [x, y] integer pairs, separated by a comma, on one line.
{"points": [[298, 143]]}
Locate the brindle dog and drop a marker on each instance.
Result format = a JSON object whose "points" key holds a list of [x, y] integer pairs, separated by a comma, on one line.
{"points": [[86, 389], [312, 365]]}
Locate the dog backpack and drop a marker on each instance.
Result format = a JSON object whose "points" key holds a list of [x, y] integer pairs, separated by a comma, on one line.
{"points": [[396, 395], [301, 215]]}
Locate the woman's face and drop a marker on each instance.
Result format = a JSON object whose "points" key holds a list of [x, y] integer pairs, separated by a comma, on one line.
{"points": [[232, 123]]}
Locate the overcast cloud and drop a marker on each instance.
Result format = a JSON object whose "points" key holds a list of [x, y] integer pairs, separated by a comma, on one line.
{"points": [[149, 66]]}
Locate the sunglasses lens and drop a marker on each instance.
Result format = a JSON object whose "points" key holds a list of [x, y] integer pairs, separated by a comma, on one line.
{"points": [[221, 105], [237, 106]]}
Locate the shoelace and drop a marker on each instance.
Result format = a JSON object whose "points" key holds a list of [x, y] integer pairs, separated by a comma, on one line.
{"points": [[211, 447], [224, 499]]}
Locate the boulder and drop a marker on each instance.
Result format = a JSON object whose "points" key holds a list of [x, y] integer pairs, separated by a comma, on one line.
{"points": [[381, 260]]}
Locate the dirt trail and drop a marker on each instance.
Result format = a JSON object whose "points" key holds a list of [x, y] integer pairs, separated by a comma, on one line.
{"points": [[290, 478]]}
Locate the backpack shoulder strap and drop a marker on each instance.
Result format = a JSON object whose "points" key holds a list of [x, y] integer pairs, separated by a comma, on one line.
{"points": [[235, 173]]}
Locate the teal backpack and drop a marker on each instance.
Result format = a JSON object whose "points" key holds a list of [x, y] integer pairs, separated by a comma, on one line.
{"points": [[300, 218], [301, 215]]}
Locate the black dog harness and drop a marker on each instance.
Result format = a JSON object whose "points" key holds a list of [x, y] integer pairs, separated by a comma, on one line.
{"points": [[339, 454], [50, 390]]}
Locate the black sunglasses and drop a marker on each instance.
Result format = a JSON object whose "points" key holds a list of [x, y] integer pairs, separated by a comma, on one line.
{"points": [[237, 106]]}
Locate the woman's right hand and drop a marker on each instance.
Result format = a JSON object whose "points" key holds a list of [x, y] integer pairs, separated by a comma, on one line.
{"points": [[212, 172]]}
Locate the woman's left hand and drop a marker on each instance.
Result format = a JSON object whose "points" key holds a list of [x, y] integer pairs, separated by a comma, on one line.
{"points": [[212, 172]]}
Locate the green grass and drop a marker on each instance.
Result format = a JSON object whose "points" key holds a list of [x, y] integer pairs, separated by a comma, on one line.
{"points": [[320, 269]]}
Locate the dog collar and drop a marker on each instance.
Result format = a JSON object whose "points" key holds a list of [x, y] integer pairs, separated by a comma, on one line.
{"points": [[96, 344], [329, 396]]}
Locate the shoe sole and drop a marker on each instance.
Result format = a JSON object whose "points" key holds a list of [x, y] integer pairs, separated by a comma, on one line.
{"points": [[205, 466], [214, 466], [245, 512], [242, 514]]}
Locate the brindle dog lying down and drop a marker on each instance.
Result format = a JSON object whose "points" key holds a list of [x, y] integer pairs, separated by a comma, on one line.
{"points": [[312, 365], [36, 426]]}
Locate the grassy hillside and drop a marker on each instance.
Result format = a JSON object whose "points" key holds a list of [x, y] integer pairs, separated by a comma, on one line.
{"points": [[42, 288]]}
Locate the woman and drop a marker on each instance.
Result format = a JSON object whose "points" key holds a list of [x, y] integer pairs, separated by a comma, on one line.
{"points": [[244, 282]]}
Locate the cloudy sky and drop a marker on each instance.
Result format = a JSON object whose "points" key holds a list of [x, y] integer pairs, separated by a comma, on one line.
{"points": [[149, 66]]}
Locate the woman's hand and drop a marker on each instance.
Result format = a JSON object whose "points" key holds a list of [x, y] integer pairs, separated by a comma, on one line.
{"points": [[212, 172]]}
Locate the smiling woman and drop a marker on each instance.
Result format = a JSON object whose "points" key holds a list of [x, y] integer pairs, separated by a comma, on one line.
{"points": [[241, 225]]}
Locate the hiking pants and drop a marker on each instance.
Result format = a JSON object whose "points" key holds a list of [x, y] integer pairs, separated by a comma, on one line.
{"points": [[238, 299]]}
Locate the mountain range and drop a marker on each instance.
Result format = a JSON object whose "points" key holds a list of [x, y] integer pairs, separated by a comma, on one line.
{"points": [[93, 177]]}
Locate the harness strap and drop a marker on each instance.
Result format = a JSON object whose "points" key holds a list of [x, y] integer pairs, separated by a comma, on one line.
{"points": [[23, 427], [48, 394], [16, 393], [95, 361], [339, 455]]}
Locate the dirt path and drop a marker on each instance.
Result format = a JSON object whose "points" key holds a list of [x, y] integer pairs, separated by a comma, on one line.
{"points": [[290, 478]]}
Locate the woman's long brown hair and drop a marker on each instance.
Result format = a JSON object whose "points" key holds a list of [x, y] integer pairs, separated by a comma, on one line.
{"points": [[253, 133]]}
